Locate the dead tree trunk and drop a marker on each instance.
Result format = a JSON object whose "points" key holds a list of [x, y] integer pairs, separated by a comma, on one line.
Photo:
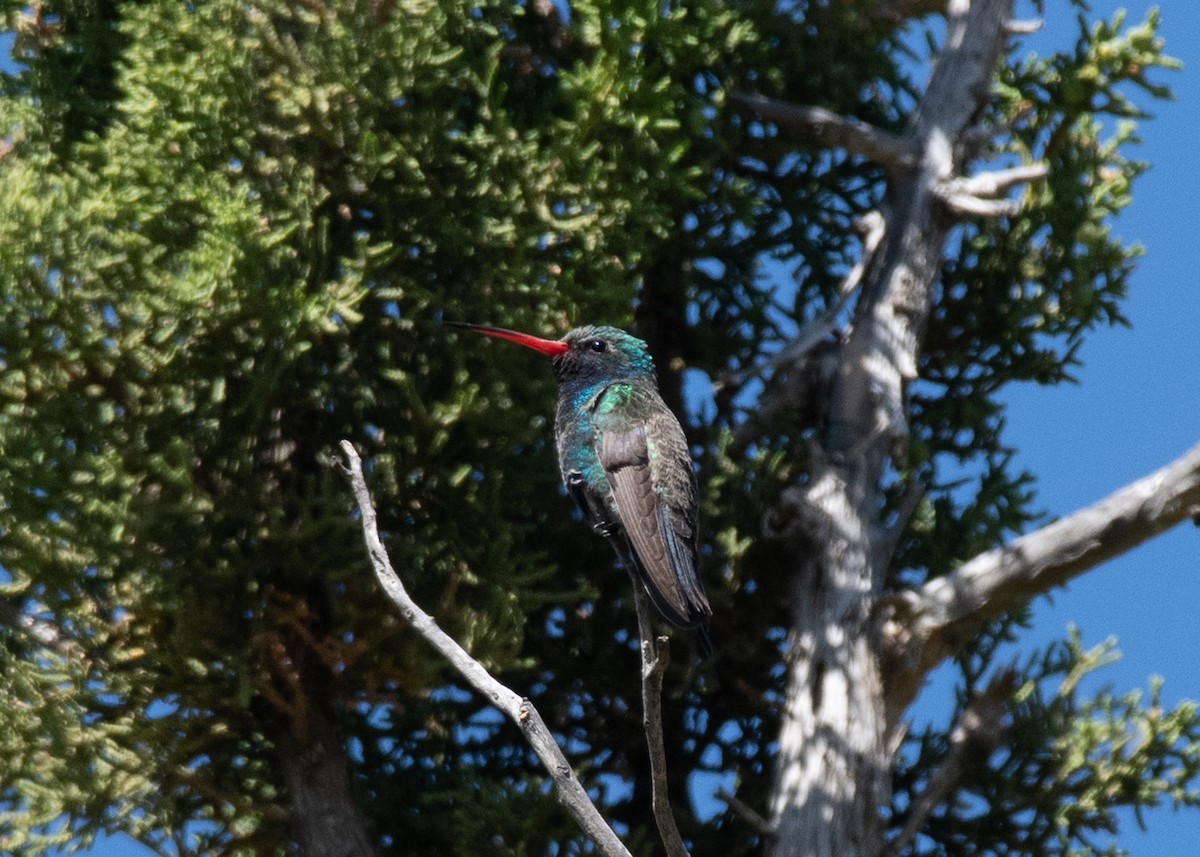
{"points": [[835, 758]]}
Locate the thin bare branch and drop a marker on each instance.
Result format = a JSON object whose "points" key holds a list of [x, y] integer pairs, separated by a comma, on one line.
{"points": [[743, 811], [965, 205], [980, 729], [926, 625], [815, 331], [871, 227], [818, 127], [1025, 27], [656, 654], [993, 183], [569, 790], [980, 195]]}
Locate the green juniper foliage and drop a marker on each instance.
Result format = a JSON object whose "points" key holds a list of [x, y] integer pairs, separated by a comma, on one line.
{"points": [[227, 233]]}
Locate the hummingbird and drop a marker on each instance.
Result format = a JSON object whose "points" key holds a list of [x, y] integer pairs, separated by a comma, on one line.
{"points": [[624, 460]]}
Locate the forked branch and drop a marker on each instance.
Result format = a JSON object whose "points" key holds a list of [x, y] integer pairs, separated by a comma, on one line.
{"points": [[982, 195], [569, 791]]}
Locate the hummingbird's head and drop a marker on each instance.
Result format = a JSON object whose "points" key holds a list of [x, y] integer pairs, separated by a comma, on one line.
{"points": [[603, 354], [586, 355]]}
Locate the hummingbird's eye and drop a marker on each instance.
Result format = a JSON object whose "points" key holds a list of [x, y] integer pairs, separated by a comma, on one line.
{"points": [[598, 345]]}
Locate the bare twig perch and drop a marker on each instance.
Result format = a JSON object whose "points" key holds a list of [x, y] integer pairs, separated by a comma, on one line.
{"points": [[655, 657], [570, 792]]}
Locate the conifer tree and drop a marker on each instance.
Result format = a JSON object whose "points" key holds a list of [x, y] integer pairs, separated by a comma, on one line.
{"points": [[229, 232]]}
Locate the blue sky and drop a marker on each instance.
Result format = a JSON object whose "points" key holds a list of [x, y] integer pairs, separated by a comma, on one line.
{"points": [[1136, 408]]}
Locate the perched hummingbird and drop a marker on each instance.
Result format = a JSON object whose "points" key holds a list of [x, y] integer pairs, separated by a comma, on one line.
{"points": [[625, 460]]}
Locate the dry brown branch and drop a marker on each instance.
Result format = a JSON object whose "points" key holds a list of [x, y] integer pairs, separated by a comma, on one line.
{"points": [[656, 654]]}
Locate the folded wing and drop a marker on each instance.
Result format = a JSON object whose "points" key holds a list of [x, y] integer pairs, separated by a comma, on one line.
{"points": [[662, 542]]}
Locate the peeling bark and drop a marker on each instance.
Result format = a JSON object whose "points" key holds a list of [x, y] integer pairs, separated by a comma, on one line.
{"points": [[833, 775], [834, 764]]}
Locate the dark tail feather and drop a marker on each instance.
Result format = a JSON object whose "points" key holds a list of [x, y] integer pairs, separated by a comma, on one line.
{"points": [[665, 609]]}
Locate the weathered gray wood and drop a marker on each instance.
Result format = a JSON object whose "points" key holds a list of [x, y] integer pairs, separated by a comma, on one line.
{"points": [[925, 626], [835, 760], [569, 790]]}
